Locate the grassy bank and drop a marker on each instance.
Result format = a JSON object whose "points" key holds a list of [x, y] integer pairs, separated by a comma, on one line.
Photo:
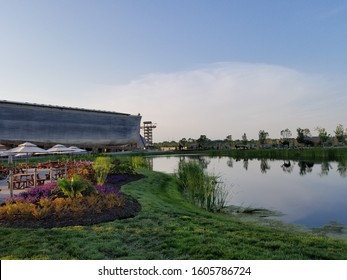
{"points": [[168, 227]]}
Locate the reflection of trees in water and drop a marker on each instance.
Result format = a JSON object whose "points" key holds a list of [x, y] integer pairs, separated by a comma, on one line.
{"points": [[203, 161], [287, 166], [264, 165], [342, 168], [230, 162], [305, 167], [245, 163], [325, 168]]}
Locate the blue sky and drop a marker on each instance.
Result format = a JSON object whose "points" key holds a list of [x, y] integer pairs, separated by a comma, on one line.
{"points": [[213, 67]]}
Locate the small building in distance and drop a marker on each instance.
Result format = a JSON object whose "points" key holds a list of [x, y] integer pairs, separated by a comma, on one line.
{"points": [[47, 125]]}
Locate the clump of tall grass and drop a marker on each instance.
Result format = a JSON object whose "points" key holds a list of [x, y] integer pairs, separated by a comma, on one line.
{"points": [[139, 162], [203, 189], [102, 166]]}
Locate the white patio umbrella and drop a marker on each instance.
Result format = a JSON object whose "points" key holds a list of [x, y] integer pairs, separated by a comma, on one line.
{"points": [[26, 148], [2, 150], [77, 150], [59, 149]]}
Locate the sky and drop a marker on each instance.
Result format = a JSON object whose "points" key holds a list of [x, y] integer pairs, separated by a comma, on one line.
{"points": [[194, 67]]}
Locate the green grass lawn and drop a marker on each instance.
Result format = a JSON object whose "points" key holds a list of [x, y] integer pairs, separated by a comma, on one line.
{"points": [[168, 227]]}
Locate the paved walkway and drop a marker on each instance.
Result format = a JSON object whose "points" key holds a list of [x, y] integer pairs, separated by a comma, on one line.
{"points": [[5, 191]]}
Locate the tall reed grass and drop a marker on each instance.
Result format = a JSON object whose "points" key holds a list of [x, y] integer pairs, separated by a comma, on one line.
{"points": [[203, 189], [102, 167]]}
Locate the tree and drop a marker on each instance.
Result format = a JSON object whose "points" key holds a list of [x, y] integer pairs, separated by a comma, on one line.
{"points": [[244, 139], [202, 141], [323, 135], [286, 134], [182, 143], [229, 140], [302, 134], [262, 136], [340, 133]]}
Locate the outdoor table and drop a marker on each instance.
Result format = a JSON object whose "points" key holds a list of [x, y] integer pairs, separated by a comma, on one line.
{"points": [[56, 173], [22, 181]]}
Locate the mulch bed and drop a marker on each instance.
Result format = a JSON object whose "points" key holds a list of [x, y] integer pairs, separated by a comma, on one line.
{"points": [[129, 210]]}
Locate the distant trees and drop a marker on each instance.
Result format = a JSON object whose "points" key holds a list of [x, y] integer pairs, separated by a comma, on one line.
{"points": [[303, 137], [303, 133], [340, 134], [244, 139], [203, 141], [182, 143], [286, 135], [262, 136], [229, 140], [323, 135]]}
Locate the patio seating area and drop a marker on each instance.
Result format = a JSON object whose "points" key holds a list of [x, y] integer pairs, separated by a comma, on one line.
{"points": [[25, 180], [23, 176]]}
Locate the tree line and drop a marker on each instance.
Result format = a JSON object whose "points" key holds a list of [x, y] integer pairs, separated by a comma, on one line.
{"points": [[286, 140]]}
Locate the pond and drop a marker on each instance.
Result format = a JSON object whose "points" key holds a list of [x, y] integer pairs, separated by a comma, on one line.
{"points": [[308, 193]]}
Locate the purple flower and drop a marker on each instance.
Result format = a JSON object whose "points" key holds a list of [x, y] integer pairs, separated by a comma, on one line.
{"points": [[107, 189], [33, 195]]}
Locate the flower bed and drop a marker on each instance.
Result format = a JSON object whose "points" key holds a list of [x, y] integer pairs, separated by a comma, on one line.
{"points": [[46, 206]]}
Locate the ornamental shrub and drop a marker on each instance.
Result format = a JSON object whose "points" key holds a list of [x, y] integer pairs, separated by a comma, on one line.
{"points": [[75, 186], [122, 167], [33, 195], [82, 168]]}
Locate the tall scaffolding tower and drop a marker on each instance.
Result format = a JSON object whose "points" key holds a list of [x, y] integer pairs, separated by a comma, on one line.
{"points": [[148, 127]]}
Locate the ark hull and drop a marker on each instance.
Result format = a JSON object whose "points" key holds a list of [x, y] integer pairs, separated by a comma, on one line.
{"points": [[45, 125]]}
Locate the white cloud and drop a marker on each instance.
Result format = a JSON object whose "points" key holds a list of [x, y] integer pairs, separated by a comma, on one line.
{"points": [[230, 98], [218, 100]]}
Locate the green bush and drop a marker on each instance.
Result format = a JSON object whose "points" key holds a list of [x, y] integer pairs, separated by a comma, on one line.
{"points": [[75, 186], [139, 162], [122, 167]]}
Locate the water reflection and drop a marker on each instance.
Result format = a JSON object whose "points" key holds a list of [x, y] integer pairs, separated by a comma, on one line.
{"points": [[264, 165], [245, 164], [204, 161], [305, 167], [325, 168], [307, 192], [287, 166], [342, 168], [230, 162]]}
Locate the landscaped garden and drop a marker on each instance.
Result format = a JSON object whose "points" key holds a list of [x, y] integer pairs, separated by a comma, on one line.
{"points": [[166, 226], [88, 194]]}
